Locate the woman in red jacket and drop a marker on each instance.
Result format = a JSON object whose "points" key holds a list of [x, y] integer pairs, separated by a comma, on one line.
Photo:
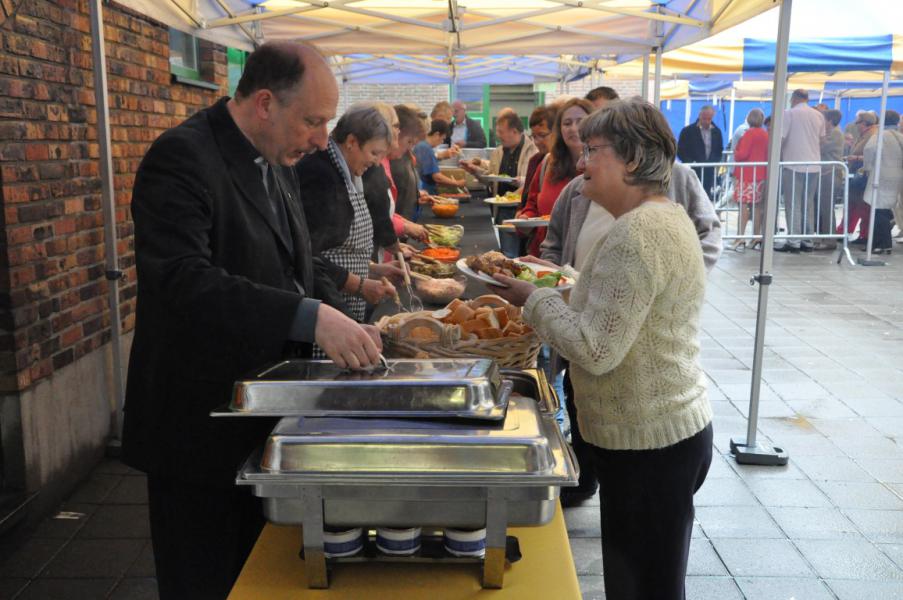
{"points": [[749, 182], [558, 168]]}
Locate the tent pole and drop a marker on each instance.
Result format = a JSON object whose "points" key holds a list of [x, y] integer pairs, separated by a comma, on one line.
{"points": [[876, 178], [657, 84], [731, 117], [749, 451], [687, 109], [113, 274], [644, 86]]}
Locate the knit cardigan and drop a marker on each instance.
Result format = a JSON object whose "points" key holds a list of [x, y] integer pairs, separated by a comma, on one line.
{"points": [[631, 332]]}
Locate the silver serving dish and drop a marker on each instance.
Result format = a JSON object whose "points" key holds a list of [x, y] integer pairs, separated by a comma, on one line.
{"points": [[410, 473], [468, 388]]}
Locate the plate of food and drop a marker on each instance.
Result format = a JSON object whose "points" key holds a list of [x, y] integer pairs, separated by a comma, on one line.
{"points": [[509, 199], [482, 267], [530, 223]]}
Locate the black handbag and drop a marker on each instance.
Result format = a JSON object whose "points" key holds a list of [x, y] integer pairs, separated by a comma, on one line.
{"points": [[859, 182]]}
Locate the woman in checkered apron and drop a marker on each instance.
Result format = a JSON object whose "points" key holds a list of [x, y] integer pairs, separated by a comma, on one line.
{"points": [[341, 223]]}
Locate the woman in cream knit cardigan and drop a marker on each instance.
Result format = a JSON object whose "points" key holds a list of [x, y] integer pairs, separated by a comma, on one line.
{"points": [[631, 336]]}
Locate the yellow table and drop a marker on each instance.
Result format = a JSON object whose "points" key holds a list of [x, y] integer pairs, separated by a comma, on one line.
{"points": [[546, 572]]}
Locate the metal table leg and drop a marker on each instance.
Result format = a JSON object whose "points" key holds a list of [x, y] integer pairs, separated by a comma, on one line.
{"points": [[314, 557], [496, 533]]}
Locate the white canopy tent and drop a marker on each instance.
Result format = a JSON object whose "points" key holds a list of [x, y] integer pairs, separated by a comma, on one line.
{"points": [[452, 40]]}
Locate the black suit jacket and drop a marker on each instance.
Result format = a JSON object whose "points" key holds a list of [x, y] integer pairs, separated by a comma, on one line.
{"points": [[216, 296], [691, 148]]}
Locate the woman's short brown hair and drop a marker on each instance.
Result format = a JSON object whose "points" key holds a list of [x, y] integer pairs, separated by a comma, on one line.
{"points": [[410, 121], [640, 136]]}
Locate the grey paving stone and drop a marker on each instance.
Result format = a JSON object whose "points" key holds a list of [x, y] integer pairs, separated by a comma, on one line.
{"points": [[852, 427], [847, 494], [144, 564], [768, 558], [95, 558], [878, 525], [887, 470], [9, 587], [28, 558], [783, 588], [806, 445], [67, 589], [704, 560], [117, 521], [64, 526], [753, 472], [583, 522], [724, 492], [95, 489], [814, 523], [825, 408], [871, 590], [894, 552], [720, 469], [705, 587], [768, 409], [136, 589], [131, 490], [831, 468], [737, 522], [790, 492], [587, 553], [891, 426], [723, 408], [848, 559], [876, 407], [592, 587], [869, 447], [723, 376]]}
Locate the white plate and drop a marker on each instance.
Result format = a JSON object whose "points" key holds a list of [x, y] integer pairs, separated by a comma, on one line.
{"points": [[462, 266], [527, 223], [496, 201], [499, 178]]}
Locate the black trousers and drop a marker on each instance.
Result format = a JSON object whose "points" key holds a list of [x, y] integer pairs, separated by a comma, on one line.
{"points": [[201, 536], [883, 237], [647, 516], [582, 450]]}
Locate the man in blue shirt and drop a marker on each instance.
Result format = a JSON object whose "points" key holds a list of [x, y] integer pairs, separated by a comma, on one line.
{"points": [[427, 165]]}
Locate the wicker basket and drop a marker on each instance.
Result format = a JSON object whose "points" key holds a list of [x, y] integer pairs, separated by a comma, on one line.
{"points": [[516, 352]]}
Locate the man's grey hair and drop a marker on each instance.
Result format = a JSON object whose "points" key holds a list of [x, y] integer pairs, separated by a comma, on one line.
{"points": [[365, 122], [640, 136], [706, 107]]}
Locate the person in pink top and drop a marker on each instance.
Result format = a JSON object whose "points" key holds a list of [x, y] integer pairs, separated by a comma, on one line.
{"points": [[749, 182], [558, 168]]}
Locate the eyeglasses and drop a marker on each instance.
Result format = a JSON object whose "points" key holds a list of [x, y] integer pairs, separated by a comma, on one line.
{"points": [[539, 136], [588, 150]]}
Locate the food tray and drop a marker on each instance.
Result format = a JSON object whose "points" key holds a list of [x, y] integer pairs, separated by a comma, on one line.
{"points": [[527, 223], [468, 387]]}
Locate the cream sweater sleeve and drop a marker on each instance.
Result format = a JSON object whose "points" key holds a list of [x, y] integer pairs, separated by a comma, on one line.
{"points": [[619, 294]]}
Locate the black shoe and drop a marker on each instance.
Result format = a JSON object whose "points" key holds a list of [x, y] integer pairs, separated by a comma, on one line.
{"points": [[575, 496], [859, 242], [806, 248], [787, 248]]}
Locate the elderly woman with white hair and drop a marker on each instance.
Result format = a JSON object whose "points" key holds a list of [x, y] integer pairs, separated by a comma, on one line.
{"points": [[631, 334]]}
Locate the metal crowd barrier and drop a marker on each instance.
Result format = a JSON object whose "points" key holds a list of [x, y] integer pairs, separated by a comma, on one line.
{"points": [[808, 202]]}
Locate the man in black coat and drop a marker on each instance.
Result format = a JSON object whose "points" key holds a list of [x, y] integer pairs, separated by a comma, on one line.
{"points": [[701, 142], [227, 283]]}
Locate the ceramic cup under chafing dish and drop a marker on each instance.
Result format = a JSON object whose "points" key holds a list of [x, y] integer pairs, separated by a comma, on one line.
{"points": [[344, 542], [465, 542], [398, 541]]}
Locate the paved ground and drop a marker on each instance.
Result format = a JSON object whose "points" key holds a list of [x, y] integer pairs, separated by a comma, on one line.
{"points": [[829, 525]]}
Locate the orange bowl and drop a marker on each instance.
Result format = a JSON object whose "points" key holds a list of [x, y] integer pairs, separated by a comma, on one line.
{"points": [[445, 211], [448, 255]]}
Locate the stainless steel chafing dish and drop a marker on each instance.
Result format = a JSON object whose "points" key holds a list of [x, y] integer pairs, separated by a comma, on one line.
{"points": [[352, 472], [471, 388]]}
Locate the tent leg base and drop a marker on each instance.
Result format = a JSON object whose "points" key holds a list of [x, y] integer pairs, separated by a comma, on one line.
{"points": [[864, 262], [846, 252], [758, 454]]}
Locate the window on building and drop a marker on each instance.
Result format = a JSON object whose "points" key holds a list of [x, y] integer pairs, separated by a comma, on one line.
{"points": [[236, 59], [183, 55]]}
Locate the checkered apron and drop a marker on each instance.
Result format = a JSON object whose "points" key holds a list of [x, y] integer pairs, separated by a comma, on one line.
{"points": [[355, 252]]}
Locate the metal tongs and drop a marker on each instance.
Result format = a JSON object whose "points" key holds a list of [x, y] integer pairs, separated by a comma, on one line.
{"points": [[414, 303]]}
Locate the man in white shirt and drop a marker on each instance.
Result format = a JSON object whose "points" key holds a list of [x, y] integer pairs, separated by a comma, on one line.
{"points": [[802, 131]]}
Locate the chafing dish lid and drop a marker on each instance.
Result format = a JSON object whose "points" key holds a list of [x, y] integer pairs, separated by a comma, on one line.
{"points": [[471, 388]]}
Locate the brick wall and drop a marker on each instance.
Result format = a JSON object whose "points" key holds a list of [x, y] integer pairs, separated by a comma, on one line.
{"points": [[52, 288], [626, 88], [424, 96]]}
